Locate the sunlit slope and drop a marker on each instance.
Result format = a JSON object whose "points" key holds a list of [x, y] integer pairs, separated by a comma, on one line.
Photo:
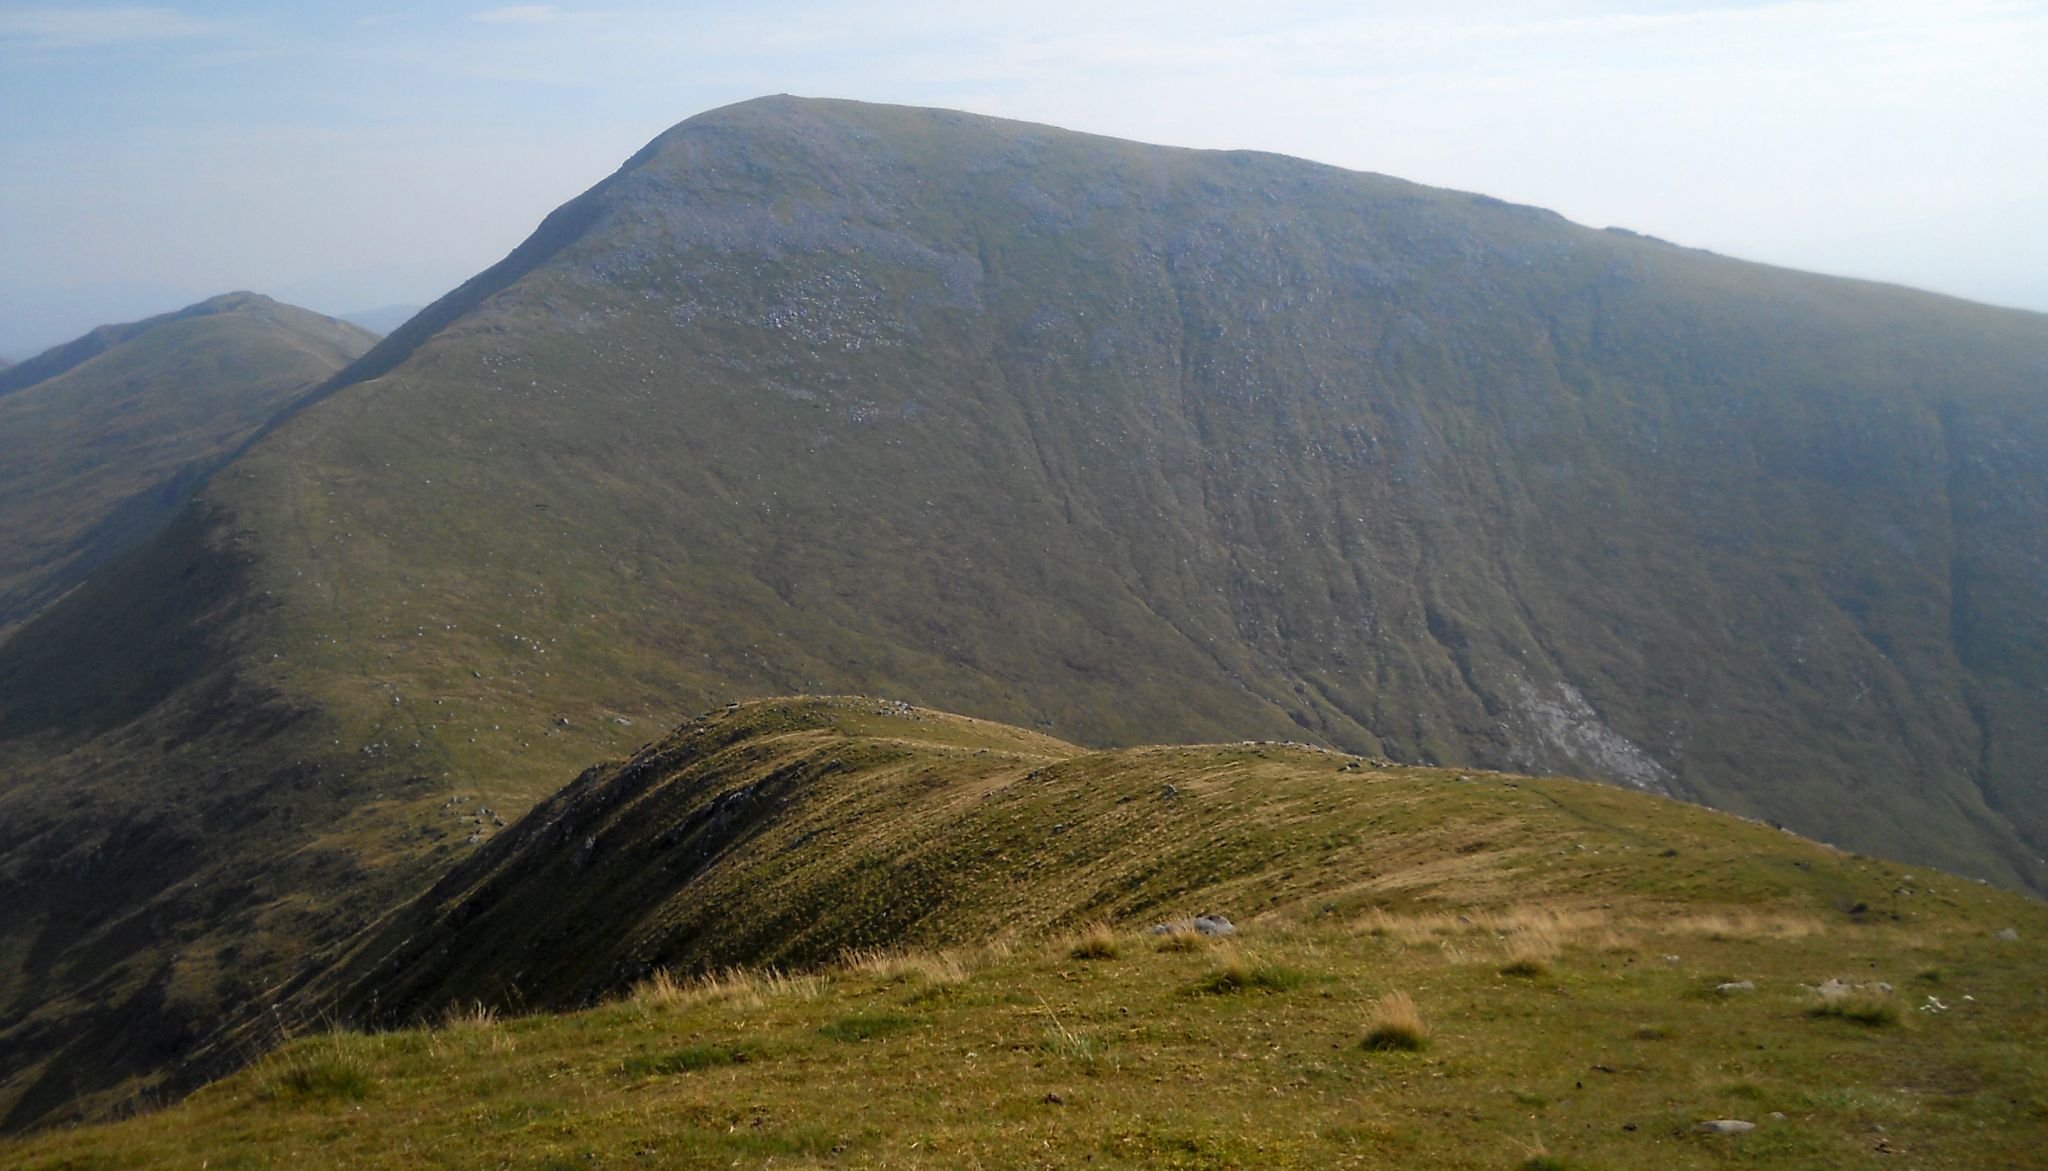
{"points": [[1131, 444], [1596, 972], [786, 832], [103, 439]]}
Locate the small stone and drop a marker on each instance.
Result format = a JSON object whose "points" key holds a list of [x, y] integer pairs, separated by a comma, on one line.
{"points": [[2008, 935], [1724, 1126], [1776, 1116], [1054, 1100], [1733, 986]]}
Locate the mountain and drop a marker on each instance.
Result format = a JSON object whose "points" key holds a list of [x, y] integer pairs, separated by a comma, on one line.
{"points": [[384, 320], [1128, 444], [5, 363], [959, 918], [104, 438], [1115, 442]]}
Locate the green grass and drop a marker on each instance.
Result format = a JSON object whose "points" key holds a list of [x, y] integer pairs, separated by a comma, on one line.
{"points": [[1242, 974], [688, 1059], [865, 1027], [1034, 1060]]}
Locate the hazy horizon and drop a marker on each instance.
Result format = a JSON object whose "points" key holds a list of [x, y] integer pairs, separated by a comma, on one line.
{"points": [[350, 160]]}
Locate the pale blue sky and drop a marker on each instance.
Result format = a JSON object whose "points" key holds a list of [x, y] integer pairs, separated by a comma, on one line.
{"points": [[350, 156]]}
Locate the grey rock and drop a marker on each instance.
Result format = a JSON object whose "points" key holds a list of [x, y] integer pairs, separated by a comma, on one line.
{"points": [[1724, 1126], [2008, 934], [1200, 925], [1733, 986]]}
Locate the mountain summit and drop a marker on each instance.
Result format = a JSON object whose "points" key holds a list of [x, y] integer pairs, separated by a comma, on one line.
{"points": [[1119, 442]]}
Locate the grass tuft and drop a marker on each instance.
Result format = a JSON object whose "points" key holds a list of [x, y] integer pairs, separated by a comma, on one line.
{"points": [[1180, 938], [1241, 974], [926, 969], [1396, 1024], [1097, 942], [1865, 1006], [329, 1070], [740, 986]]}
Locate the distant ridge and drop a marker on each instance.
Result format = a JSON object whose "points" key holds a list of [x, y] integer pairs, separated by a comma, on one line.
{"points": [[58, 359], [105, 437]]}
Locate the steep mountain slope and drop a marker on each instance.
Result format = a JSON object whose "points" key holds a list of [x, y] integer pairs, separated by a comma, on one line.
{"points": [[1596, 972], [1130, 443], [1118, 442], [102, 439]]}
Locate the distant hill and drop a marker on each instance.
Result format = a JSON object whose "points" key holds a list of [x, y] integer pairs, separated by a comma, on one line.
{"points": [[382, 321], [104, 438], [1117, 443]]}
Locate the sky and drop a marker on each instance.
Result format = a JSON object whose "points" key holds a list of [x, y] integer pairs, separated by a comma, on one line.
{"points": [[350, 157]]}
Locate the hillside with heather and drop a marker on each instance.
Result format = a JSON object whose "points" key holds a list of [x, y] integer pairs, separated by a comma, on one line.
{"points": [[1120, 444]]}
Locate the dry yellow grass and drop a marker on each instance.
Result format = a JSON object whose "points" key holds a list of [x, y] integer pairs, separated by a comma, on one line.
{"points": [[1180, 937], [748, 988], [1396, 1024], [1098, 941], [932, 969]]}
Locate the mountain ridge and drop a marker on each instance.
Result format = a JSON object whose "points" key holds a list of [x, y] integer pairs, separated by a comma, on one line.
{"points": [[103, 437]]}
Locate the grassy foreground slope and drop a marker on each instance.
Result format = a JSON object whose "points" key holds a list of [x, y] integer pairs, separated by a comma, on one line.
{"points": [[103, 440], [924, 882]]}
